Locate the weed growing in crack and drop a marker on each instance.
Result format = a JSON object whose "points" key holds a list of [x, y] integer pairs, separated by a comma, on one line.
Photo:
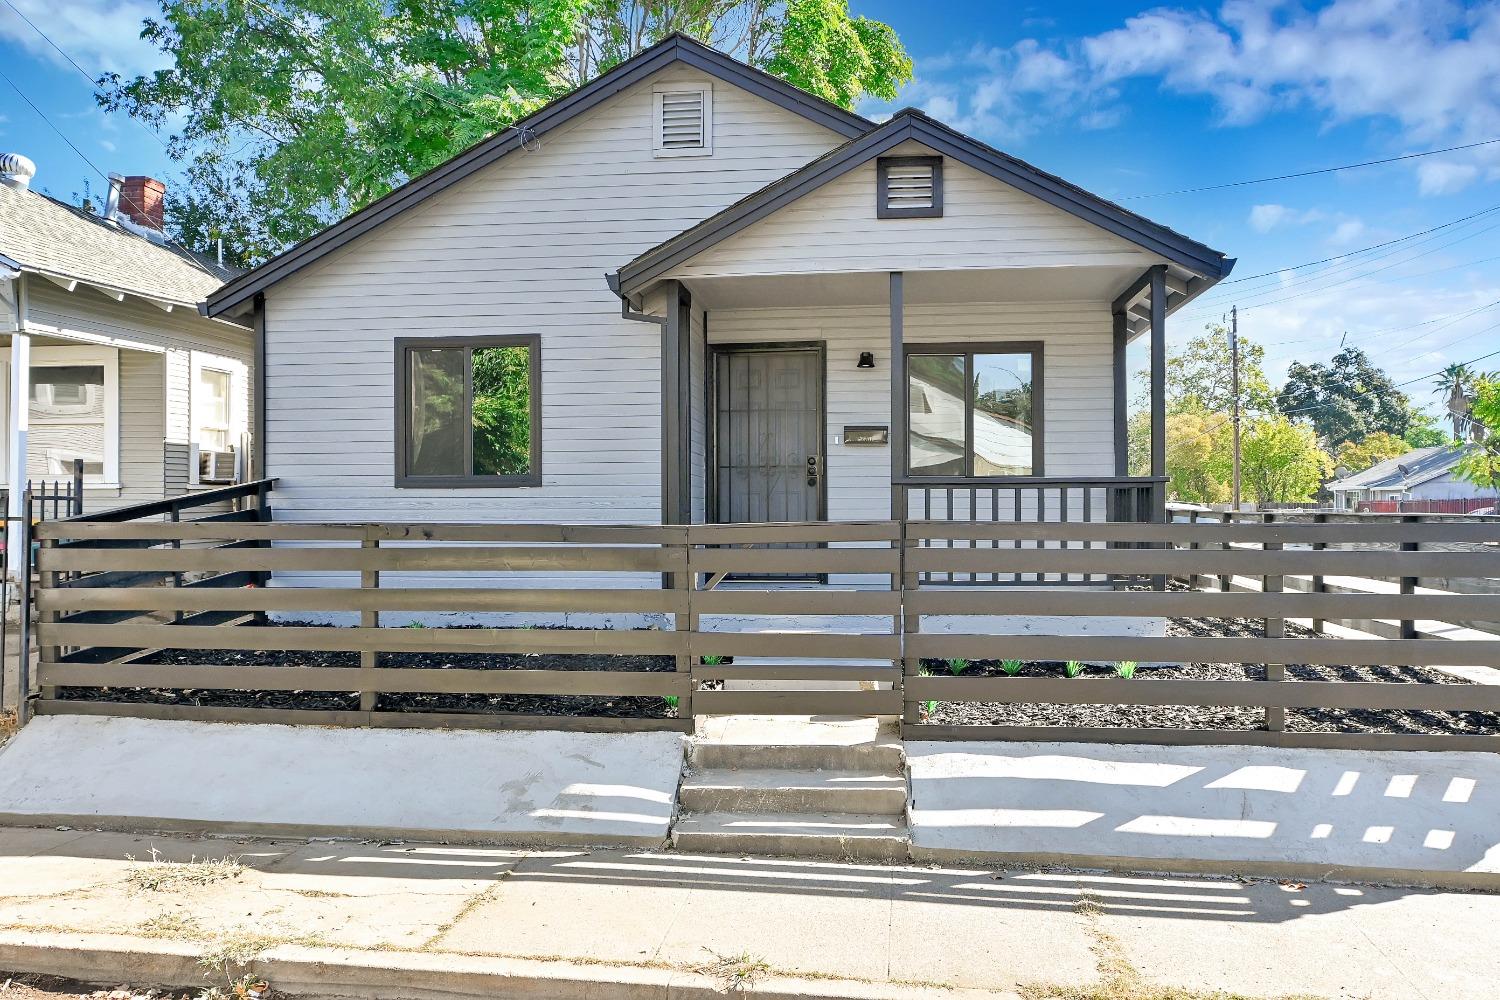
{"points": [[735, 973], [157, 875]]}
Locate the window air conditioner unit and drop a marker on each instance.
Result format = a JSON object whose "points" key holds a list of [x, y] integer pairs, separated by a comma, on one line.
{"points": [[216, 466]]}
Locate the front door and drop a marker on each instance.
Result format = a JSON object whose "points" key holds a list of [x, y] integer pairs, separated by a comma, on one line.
{"points": [[768, 455]]}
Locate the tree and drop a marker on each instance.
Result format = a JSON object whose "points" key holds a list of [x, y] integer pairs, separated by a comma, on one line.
{"points": [[1282, 462], [1454, 385], [1202, 373], [1422, 430], [291, 114], [1197, 443], [1481, 464], [1374, 449], [1344, 400]]}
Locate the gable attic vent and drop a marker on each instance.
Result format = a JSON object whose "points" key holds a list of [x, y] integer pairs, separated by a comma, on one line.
{"points": [[909, 187], [684, 121]]}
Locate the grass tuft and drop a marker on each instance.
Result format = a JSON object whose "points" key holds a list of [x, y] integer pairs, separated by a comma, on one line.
{"points": [[957, 665], [1072, 668], [1011, 667], [1126, 669], [157, 875], [735, 973]]}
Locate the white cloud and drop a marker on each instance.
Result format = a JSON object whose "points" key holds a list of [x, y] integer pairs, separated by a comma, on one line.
{"points": [[1427, 67], [1264, 218], [103, 36], [1348, 232]]}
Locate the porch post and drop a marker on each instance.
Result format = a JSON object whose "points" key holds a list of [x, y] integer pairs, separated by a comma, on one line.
{"points": [[19, 423], [898, 397], [1159, 386], [675, 416], [1122, 390]]}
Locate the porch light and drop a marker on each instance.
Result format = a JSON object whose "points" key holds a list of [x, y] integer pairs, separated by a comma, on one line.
{"points": [[866, 360]]}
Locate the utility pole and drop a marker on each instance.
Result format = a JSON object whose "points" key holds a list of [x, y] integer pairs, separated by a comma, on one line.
{"points": [[1234, 381]]}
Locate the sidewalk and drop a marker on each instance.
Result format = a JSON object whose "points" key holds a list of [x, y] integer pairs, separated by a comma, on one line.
{"points": [[418, 920]]}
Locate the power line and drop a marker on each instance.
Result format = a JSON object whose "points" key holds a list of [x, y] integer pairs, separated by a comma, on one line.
{"points": [[1308, 173]]}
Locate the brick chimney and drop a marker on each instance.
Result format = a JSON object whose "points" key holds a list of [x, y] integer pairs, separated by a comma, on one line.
{"points": [[142, 200]]}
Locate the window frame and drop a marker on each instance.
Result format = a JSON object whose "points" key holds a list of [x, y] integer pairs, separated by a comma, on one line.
{"points": [[107, 358], [198, 362], [533, 477], [883, 166], [969, 349]]}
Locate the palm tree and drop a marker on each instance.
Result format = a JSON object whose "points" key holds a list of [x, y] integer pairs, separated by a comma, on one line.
{"points": [[1455, 382]]}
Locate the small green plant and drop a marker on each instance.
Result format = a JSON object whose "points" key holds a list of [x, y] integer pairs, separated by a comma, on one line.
{"points": [[671, 700], [1011, 667], [414, 625], [928, 707], [712, 661], [1072, 668], [957, 665], [1126, 669]]}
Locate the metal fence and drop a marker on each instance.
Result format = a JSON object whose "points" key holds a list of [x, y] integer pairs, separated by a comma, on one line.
{"points": [[114, 593]]}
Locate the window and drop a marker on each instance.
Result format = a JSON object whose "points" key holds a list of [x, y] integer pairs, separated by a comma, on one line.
{"points": [[909, 187], [212, 403], [468, 412], [683, 121], [74, 413], [973, 411]]}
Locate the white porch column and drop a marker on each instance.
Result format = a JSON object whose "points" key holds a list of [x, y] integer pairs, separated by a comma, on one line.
{"points": [[18, 421]]}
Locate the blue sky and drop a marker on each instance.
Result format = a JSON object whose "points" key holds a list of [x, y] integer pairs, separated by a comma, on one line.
{"points": [[1126, 100]]}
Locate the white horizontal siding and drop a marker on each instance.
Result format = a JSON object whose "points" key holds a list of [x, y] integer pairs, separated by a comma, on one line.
{"points": [[985, 223], [521, 247]]}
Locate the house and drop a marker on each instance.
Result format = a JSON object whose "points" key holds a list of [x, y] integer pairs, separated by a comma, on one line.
{"points": [[705, 295], [1420, 474], [105, 356]]}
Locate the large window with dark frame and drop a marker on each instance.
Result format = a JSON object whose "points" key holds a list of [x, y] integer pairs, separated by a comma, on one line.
{"points": [[973, 410], [468, 411]]}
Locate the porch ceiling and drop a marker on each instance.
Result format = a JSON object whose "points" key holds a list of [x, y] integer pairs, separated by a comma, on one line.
{"points": [[1013, 284]]}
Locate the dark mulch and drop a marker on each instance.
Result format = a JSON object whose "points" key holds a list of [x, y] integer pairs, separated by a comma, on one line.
{"points": [[1216, 717], [526, 704]]}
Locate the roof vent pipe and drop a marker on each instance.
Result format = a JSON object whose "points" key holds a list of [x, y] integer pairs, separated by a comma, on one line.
{"points": [[112, 202], [16, 171]]}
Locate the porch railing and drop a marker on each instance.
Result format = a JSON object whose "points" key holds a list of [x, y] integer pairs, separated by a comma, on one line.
{"points": [[52, 497], [114, 596]]}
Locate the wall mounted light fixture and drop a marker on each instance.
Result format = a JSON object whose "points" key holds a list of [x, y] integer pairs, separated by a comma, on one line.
{"points": [[866, 360]]}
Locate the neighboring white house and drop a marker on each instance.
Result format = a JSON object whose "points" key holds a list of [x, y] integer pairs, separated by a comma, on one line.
{"points": [[714, 284], [103, 352], [1420, 474]]}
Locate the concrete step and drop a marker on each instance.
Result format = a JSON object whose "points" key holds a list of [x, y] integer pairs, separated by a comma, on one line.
{"points": [[812, 835], [776, 791], [793, 743]]}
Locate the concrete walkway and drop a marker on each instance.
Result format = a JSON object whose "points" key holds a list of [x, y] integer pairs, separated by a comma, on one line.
{"points": [[424, 920]]}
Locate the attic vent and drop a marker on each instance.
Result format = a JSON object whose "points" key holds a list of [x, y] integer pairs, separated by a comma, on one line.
{"points": [[909, 187], [684, 122]]}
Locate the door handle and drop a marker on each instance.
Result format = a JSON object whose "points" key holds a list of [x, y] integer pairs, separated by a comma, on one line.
{"points": [[812, 470]]}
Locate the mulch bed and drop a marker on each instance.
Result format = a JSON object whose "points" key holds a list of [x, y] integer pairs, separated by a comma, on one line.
{"points": [[339, 701], [1305, 720]]}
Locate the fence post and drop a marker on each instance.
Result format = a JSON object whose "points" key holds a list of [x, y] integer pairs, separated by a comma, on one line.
{"points": [[1409, 583], [1318, 587], [369, 659], [76, 507], [49, 653], [1275, 628], [176, 518], [1225, 578], [910, 624], [686, 625], [1193, 577], [23, 667]]}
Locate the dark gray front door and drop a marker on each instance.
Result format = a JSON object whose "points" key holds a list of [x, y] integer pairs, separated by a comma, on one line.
{"points": [[769, 435]]}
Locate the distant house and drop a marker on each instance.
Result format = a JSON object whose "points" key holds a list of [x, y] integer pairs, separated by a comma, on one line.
{"points": [[1421, 474], [104, 356]]}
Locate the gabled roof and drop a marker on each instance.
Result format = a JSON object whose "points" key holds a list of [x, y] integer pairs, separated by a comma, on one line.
{"points": [[69, 244], [1404, 471], [912, 124], [673, 49]]}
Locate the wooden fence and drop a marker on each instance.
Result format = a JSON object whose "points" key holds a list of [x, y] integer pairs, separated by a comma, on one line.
{"points": [[720, 608]]}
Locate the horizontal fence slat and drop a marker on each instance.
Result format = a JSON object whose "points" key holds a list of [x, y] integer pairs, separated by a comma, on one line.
{"points": [[793, 672], [1205, 737], [809, 561], [293, 531], [495, 559], [1145, 691], [384, 679], [733, 601], [1183, 532], [797, 703], [1210, 649], [387, 640], [1182, 562], [779, 533], [445, 599], [1176, 604], [795, 644]]}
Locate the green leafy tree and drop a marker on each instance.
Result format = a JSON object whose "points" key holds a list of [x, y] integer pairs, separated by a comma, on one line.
{"points": [[502, 411], [1202, 373], [1281, 461], [1422, 430], [1357, 456], [1345, 400], [290, 114], [1481, 464]]}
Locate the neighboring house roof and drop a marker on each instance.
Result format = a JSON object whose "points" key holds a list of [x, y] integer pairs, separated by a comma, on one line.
{"points": [[47, 237], [673, 49], [911, 124], [1403, 472]]}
